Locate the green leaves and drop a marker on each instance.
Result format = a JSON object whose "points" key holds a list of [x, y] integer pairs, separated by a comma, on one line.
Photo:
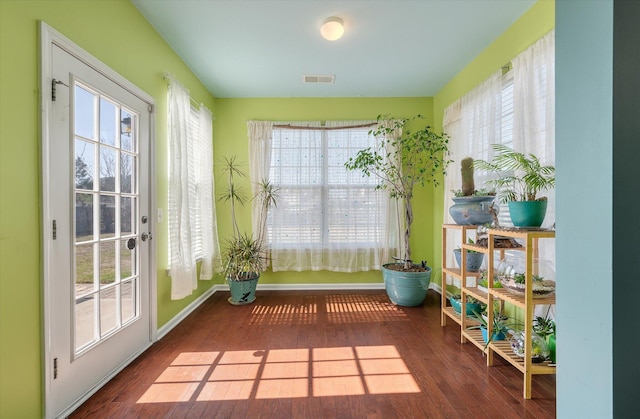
{"points": [[402, 159], [520, 177]]}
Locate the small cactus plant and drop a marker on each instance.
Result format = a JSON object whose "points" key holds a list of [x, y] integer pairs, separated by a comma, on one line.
{"points": [[466, 168]]}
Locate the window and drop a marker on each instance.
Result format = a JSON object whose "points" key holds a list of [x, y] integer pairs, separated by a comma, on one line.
{"points": [[327, 217]]}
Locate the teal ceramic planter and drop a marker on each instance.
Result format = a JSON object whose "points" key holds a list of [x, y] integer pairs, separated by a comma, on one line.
{"points": [[485, 335], [527, 213], [244, 291], [471, 210], [407, 289], [470, 307]]}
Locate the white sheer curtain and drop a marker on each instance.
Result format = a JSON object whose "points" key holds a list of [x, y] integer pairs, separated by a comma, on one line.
{"points": [[534, 107], [473, 124], [260, 133], [523, 118], [191, 215], [211, 257], [323, 217]]}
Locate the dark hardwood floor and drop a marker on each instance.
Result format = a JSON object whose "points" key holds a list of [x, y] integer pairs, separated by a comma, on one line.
{"points": [[321, 354]]}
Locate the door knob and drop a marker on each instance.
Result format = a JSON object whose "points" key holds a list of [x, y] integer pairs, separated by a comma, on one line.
{"points": [[146, 236]]}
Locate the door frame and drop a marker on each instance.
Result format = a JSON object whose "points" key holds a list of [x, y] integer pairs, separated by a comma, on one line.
{"points": [[48, 38]]}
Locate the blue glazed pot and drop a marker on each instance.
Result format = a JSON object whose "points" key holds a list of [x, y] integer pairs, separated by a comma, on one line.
{"points": [[406, 289], [243, 291], [472, 210], [527, 213], [485, 335], [474, 260], [471, 307]]}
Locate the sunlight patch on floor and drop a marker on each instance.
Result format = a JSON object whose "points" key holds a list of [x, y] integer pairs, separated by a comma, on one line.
{"points": [[282, 373], [335, 309]]}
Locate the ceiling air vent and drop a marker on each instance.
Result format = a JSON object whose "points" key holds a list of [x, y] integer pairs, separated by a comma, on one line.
{"points": [[326, 79]]}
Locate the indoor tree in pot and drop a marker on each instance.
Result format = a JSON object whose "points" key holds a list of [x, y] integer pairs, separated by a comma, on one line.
{"points": [[402, 159], [245, 256], [520, 178]]}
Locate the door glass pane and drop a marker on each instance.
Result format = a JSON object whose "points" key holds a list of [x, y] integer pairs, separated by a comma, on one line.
{"points": [[107, 216], [105, 159], [84, 164], [84, 217], [108, 122], [84, 268], [127, 258], [126, 130], [127, 215], [107, 263], [85, 107], [127, 173], [108, 169], [85, 312], [108, 310], [128, 300]]}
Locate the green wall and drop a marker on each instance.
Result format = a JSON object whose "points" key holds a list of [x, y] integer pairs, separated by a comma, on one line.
{"points": [[230, 138], [117, 34], [531, 26]]}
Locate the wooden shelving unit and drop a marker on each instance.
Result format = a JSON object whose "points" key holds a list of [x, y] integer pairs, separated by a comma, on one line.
{"points": [[461, 274], [530, 241]]}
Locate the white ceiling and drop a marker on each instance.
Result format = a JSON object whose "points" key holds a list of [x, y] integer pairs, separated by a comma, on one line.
{"points": [[391, 48]]}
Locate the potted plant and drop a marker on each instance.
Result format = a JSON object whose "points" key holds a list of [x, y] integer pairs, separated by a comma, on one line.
{"points": [[402, 159], [545, 327], [520, 178], [472, 304], [500, 330], [473, 258], [245, 256], [471, 206]]}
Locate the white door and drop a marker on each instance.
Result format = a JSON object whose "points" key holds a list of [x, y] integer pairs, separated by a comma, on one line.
{"points": [[97, 243]]}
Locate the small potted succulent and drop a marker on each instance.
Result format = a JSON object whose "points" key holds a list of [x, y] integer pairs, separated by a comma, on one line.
{"points": [[473, 259], [472, 305], [471, 206]]}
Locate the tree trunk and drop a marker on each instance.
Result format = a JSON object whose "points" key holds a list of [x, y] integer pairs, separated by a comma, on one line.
{"points": [[408, 217]]}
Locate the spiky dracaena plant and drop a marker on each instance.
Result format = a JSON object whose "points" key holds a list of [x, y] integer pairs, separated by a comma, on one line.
{"points": [[520, 177], [245, 255], [466, 170], [402, 159]]}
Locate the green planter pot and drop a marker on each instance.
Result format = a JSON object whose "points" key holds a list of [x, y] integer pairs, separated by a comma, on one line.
{"points": [[243, 291], [527, 213], [406, 289]]}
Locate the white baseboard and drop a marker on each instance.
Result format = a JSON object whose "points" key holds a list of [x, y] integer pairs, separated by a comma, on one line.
{"points": [[168, 326], [437, 288], [321, 287]]}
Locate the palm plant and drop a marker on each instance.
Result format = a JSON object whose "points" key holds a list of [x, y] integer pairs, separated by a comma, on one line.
{"points": [[245, 255], [402, 159], [521, 177]]}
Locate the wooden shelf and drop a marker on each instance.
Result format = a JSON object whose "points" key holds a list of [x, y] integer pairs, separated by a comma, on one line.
{"points": [[503, 348], [519, 300], [477, 293], [526, 302], [529, 245], [474, 336]]}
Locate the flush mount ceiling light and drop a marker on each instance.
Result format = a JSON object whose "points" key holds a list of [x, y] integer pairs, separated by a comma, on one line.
{"points": [[332, 28]]}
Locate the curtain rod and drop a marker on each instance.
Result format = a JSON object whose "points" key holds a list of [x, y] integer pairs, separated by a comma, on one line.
{"points": [[171, 78], [288, 126]]}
